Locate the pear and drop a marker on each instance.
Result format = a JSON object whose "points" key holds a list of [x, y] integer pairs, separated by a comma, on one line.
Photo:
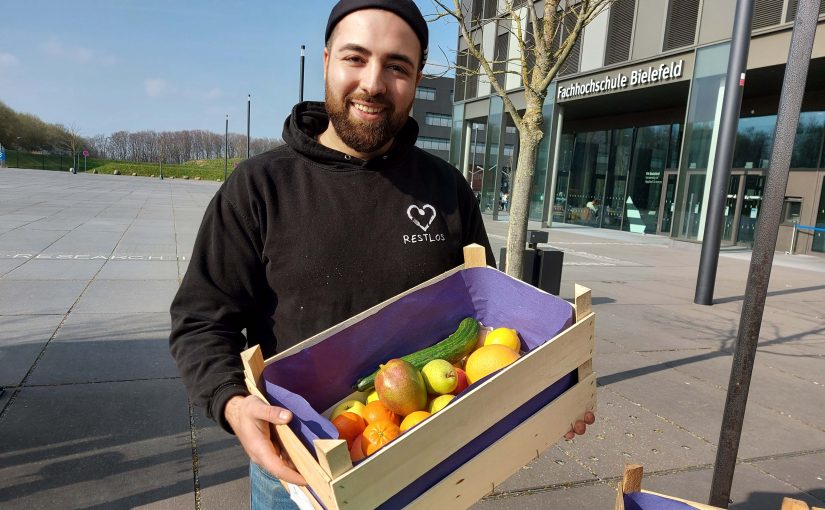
{"points": [[401, 387]]}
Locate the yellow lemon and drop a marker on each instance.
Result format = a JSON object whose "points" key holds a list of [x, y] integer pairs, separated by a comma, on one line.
{"points": [[373, 395], [504, 336], [487, 359]]}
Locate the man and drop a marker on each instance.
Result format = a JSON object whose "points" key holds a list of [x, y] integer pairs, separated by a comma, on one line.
{"points": [[344, 216]]}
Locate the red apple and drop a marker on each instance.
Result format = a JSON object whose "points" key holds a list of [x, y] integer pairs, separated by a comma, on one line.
{"points": [[463, 382]]}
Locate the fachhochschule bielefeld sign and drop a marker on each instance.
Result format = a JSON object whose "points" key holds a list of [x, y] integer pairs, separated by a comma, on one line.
{"points": [[613, 82]]}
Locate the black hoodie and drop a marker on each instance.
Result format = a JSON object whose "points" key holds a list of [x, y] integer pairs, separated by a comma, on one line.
{"points": [[303, 237]]}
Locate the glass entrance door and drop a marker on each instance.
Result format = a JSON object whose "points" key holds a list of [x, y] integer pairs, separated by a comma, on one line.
{"points": [[668, 202], [730, 212], [749, 211], [694, 196]]}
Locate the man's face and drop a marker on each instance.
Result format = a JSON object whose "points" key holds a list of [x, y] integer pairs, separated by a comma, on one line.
{"points": [[371, 71]]}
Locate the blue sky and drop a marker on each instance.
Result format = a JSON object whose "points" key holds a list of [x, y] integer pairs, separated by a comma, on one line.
{"points": [[109, 65]]}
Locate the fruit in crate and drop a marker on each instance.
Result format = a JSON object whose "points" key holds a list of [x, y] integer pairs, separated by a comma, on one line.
{"points": [[378, 434], [439, 376], [377, 411], [461, 381], [373, 395], [439, 402], [401, 387], [504, 336], [413, 419], [352, 406], [453, 349], [349, 426], [487, 359]]}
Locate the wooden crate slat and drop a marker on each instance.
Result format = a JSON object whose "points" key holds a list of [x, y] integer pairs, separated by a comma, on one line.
{"points": [[446, 432], [466, 485]]}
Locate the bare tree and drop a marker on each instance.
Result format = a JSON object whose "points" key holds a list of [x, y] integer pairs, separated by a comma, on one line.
{"points": [[71, 141], [544, 41]]}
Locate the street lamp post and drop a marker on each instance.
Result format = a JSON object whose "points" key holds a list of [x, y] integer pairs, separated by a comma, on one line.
{"points": [[226, 148], [248, 112], [301, 78]]}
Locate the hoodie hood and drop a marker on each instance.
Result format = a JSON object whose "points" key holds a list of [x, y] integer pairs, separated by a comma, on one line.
{"points": [[309, 119]]}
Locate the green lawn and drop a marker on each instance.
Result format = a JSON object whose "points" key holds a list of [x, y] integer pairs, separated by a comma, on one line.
{"points": [[211, 169]]}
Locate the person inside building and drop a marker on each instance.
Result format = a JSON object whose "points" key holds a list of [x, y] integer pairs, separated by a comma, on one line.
{"points": [[348, 213], [593, 210]]}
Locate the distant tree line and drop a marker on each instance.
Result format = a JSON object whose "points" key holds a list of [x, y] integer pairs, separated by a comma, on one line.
{"points": [[175, 146], [26, 132]]}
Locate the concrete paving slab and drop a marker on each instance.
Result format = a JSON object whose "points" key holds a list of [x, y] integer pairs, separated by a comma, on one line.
{"points": [[139, 270], [223, 467], [555, 467], [625, 432], [86, 241], [697, 407], [21, 341], [147, 249], [28, 240], [56, 269], [805, 472], [127, 296], [8, 264], [599, 496], [105, 347], [91, 446], [31, 297], [103, 225]]}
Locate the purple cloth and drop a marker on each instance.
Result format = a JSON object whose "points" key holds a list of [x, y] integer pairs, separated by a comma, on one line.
{"points": [[325, 373], [644, 501]]}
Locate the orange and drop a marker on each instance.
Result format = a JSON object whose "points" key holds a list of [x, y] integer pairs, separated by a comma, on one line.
{"points": [[412, 419], [349, 426], [378, 434], [504, 336], [487, 359], [377, 411]]}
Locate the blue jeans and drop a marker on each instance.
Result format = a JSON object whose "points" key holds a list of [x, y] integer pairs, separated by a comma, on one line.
{"points": [[266, 492]]}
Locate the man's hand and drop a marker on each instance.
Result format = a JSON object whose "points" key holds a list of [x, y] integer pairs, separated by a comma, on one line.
{"points": [[250, 420], [580, 427]]}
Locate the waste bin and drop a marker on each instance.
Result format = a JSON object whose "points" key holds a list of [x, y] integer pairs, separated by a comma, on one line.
{"points": [[542, 266]]}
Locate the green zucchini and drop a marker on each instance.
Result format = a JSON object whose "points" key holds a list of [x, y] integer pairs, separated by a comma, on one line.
{"points": [[452, 349]]}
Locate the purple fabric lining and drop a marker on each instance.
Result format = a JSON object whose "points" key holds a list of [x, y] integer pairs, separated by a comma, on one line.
{"points": [[644, 501], [411, 323]]}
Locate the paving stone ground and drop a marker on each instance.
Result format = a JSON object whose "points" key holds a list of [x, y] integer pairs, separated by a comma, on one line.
{"points": [[94, 415]]}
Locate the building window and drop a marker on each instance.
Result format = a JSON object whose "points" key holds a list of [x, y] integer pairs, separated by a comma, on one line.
{"points": [[792, 6], [791, 209], [426, 93], [432, 143], [438, 119], [508, 149], [619, 31], [510, 130], [681, 24]]}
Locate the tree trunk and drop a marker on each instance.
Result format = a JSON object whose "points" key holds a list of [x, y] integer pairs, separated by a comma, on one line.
{"points": [[529, 137]]}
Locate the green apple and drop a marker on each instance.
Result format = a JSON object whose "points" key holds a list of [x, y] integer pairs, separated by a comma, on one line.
{"points": [[353, 406], [439, 402], [439, 376]]}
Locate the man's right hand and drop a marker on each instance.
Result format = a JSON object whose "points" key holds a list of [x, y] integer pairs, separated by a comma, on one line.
{"points": [[250, 420]]}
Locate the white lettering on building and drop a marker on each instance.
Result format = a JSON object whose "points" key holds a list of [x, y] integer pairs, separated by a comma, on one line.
{"points": [[610, 83]]}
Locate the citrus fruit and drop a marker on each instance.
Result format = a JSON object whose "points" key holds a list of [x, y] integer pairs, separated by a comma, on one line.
{"points": [[377, 411], [439, 402], [504, 336], [377, 434], [349, 425], [487, 359], [373, 395], [413, 419]]}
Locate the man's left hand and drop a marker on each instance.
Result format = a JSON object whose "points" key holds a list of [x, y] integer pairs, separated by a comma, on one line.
{"points": [[580, 427]]}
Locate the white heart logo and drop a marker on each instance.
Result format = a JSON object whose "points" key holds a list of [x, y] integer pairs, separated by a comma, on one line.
{"points": [[419, 216]]}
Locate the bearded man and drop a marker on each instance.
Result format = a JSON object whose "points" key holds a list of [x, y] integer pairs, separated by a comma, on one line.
{"points": [[348, 213]]}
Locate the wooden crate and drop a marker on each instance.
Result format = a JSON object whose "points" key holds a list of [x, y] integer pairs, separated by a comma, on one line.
{"points": [[379, 479]]}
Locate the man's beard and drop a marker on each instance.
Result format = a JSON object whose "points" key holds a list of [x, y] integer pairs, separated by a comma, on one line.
{"points": [[363, 136]]}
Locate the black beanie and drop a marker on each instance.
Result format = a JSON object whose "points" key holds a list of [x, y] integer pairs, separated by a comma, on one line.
{"points": [[404, 9]]}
